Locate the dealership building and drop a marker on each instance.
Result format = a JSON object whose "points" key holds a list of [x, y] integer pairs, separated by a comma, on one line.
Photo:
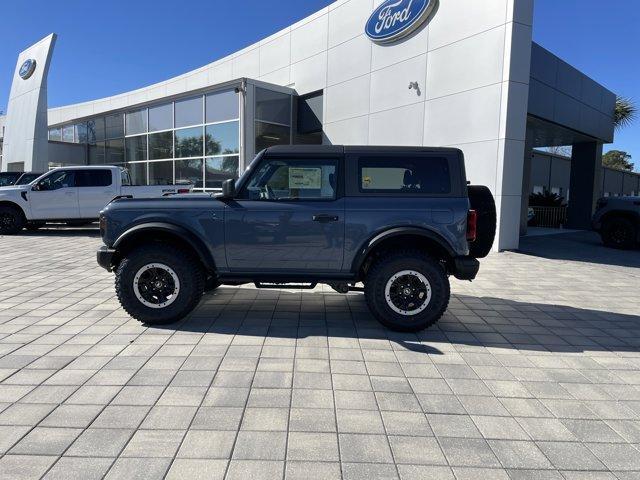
{"points": [[456, 73]]}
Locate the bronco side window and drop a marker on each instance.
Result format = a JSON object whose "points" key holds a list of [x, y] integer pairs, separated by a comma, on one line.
{"points": [[292, 179], [411, 174]]}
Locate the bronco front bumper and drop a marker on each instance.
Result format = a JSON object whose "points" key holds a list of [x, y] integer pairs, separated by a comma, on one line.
{"points": [[465, 268], [105, 257]]}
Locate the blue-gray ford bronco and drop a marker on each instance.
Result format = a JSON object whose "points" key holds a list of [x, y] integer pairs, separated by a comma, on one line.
{"points": [[399, 220]]}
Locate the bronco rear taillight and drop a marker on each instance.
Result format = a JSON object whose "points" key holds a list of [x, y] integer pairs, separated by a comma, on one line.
{"points": [[183, 190], [472, 225]]}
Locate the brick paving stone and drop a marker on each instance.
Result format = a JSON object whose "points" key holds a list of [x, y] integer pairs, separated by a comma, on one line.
{"points": [[138, 469], [46, 441], [258, 470], [24, 467], [197, 469], [79, 468], [533, 373]]}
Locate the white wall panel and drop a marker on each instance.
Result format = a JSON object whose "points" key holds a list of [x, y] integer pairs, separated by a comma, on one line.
{"points": [[459, 19], [353, 131], [349, 60], [480, 161], [309, 39], [347, 20], [275, 55], [247, 64], [465, 65], [390, 86], [400, 126], [412, 46], [310, 74], [349, 99], [472, 116]]}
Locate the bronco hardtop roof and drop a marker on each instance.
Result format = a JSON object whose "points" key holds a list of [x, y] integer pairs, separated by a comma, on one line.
{"points": [[341, 149]]}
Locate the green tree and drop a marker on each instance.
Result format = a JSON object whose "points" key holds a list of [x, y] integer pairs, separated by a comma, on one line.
{"points": [[618, 160]]}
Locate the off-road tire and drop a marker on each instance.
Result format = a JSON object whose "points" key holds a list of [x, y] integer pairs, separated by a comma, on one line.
{"points": [[482, 202], [11, 220], [389, 265], [619, 233], [188, 270]]}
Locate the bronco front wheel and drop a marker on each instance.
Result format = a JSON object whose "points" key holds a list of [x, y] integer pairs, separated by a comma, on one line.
{"points": [[159, 284], [407, 291]]}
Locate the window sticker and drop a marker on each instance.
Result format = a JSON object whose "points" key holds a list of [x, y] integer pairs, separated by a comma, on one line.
{"points": [[305, 178]]}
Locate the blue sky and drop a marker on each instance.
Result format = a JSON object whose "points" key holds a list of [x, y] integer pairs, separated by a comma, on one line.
{"points": [[108, 47]]}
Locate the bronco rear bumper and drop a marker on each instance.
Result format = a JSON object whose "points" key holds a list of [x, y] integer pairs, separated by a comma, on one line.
{"points": [[105, 257], [465, 268]]}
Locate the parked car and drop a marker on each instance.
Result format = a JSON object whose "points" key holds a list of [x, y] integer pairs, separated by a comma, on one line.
{"points": [[71, 194], [617, 220], [400, 220], [9, 178]]}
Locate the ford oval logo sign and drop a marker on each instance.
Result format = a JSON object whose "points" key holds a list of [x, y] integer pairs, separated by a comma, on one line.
{"points": [[395, 19], [27, 69]]}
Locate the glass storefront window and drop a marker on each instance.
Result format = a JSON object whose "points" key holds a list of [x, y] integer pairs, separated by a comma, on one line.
{"points": [[269, 135], [95, 127], [114, 126], [115, 151], [136, 122], [273, 106], [219, 169], [55, 134], [68, 134], [221, 106], [189, 142], [96, 154], [138, 173], [161, 173], [136, 148], [189, 171], [222, 138], [189, 112], [161, 117], [81, 133], [160, 145]]}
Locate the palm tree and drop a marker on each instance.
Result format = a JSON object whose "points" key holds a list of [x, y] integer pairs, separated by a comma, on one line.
{"points": [[625, 112]]}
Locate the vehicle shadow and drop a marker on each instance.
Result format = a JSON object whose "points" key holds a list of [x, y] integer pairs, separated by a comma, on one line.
{"points": [[326, 319], [578, 246]]}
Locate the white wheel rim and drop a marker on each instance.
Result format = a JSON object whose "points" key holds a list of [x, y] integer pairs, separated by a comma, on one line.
{"points": [[408, 293], [144, 296]]}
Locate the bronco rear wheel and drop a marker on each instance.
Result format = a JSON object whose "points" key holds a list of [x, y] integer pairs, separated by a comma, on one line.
{"points": [[159, 284], [407, 291]]}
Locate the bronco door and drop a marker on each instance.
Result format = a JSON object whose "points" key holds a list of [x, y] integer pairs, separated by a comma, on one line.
{"points": [[288, 217]]}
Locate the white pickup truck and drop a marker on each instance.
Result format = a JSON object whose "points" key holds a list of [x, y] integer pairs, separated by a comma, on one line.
{"points": [[73, 195]]}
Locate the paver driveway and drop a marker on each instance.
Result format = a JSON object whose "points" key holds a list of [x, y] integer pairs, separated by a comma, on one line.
{"points": [[533, 373]]}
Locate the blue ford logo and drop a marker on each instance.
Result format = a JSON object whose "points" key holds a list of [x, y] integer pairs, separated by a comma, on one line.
{"points": [[27, 69], [395, 19]]}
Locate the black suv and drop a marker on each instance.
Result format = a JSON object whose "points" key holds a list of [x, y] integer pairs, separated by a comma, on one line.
{"points": [[400, 220]]}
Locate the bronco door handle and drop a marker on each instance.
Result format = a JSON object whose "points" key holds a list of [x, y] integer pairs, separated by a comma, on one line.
{"points": [[325, 218]]}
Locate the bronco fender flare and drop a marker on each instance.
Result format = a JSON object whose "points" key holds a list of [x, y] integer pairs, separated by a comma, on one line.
{"points": [[378, 238], [172, 230]]}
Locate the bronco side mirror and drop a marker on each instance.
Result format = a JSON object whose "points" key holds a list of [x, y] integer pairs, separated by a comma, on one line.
{"points": [[228, 189]]}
